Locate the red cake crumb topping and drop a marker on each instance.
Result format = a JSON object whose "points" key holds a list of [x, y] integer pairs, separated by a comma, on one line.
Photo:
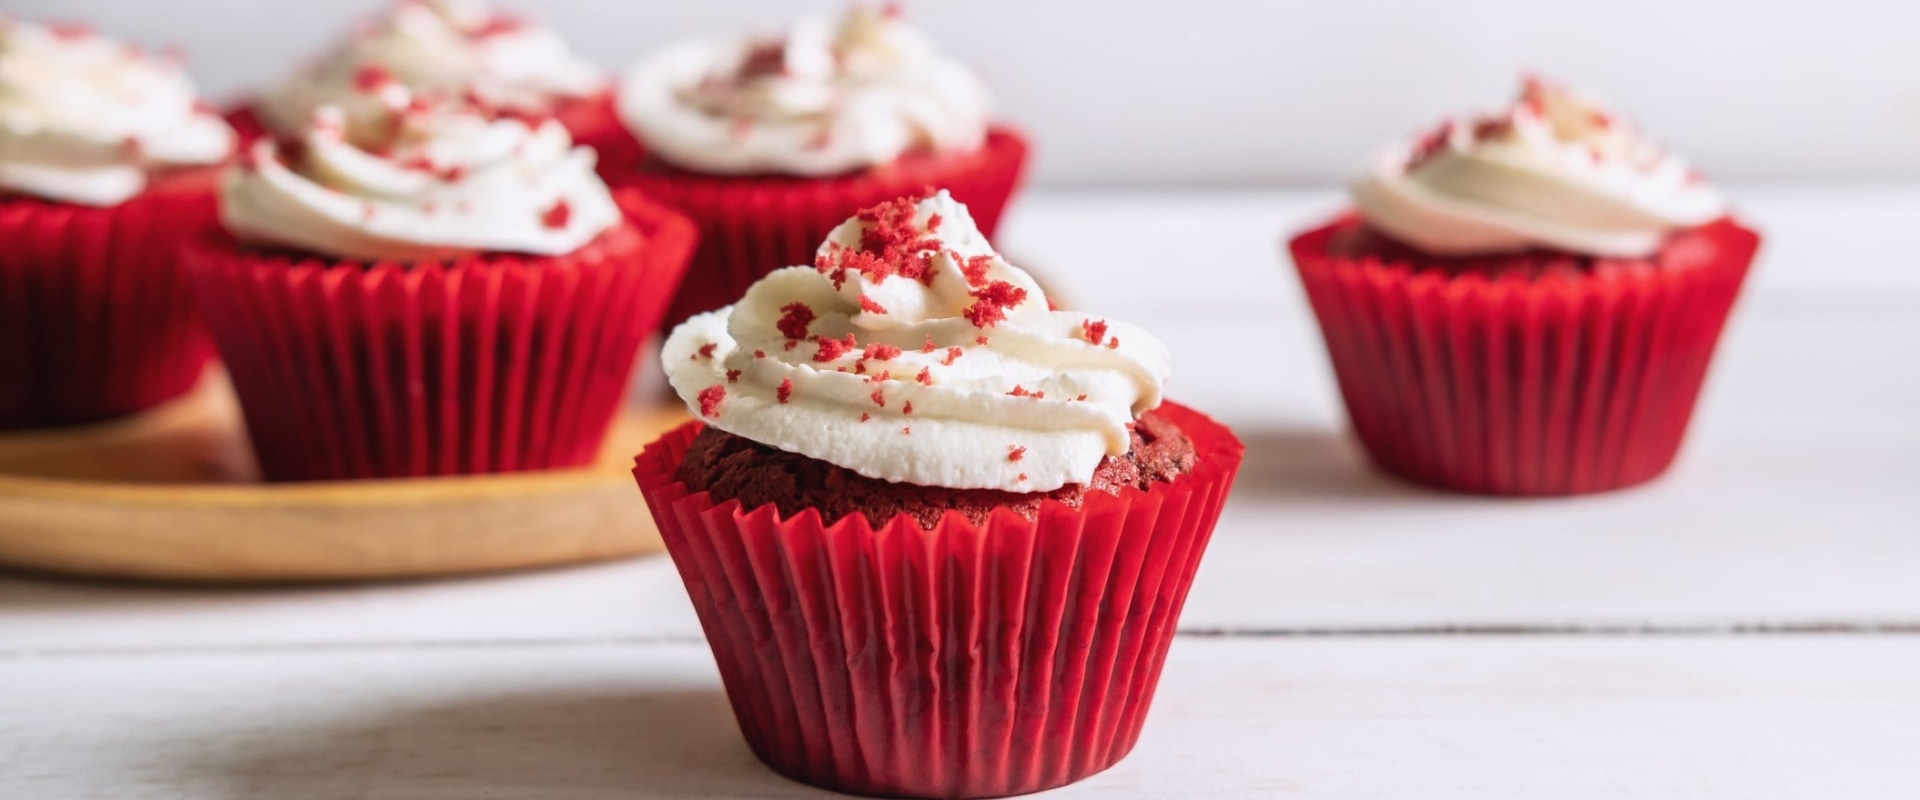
{"points": [[1022, 477], [907, 408], [1081, 398], [791, 343], [867, 305], [878, 398], [784, 391], [890, 244], [953, 353], [925, 377], [794, 320], [69, 31], [885, 375], [764, 58], [980, 340], [933, 223], [881, 352], [556, 215], [733, 376], [929, 346], [991, 303], [831, 349], [906, 431], [759, 354], [864, 416], [1113, 343], [705, 351], [1016, 452], [974, 268], [1094, 330], [370, 77], [710, 399]]}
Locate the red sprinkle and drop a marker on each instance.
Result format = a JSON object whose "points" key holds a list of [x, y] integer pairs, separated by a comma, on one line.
{"points": [[556, 216], [785, 391], [759, 354], [974, 268], [864, 416], [1023, 477], [795, 318], [955, 352], [929, 346], [890, 244], [1094, 330], [791, 343], [733, 376], [925, 376], [370, 77], [1081, 398], [881, 352], [1016, 452], [831, 349], [991, 303], [885, 375], [933, 223], [980, 340], [867, 305], [878, 398], [705, 351], [710, 399], [907, 408], [1113, 343]]}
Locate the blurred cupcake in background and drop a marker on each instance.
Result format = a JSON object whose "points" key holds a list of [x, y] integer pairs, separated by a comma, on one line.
{"points": [[106, 164], [769, 143], [444, 50], [938, 535], [448, 291], [1526, 302]]}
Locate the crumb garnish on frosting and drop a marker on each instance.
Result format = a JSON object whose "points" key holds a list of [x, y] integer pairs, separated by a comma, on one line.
{"points": [[1039, 384]]}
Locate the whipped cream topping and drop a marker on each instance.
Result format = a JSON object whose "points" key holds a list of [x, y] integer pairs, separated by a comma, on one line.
{"points": [[85, 119], [912, 352], [824, 99], [1556, 170], [439, 49], [440, 182]]}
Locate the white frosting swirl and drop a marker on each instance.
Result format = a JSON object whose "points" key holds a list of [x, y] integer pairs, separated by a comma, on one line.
{"points": [[84, 119], [957, 374], [1556, 171], [437, 48], [442, 182], [824, 100]]}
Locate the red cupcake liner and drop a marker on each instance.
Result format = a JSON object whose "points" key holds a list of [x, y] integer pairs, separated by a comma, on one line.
{"points": [[489, 364], [1550, 379], [750, 226], [962, 661], [96, 318]]}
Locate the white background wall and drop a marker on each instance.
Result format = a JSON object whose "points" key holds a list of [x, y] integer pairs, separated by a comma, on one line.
{"points": [[1238, 92]]}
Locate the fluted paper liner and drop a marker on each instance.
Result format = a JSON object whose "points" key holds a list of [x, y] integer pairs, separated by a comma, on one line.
{"points": [[493, 363], [750, 226], [96, 318], [962, 661], [1525, 382]]}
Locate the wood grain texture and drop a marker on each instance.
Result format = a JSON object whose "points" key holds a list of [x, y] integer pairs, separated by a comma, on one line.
{"points": [[1454, 718], [172, 495]]}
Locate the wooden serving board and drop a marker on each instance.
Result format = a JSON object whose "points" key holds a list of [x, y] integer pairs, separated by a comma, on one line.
{"points": [[172, 495]]}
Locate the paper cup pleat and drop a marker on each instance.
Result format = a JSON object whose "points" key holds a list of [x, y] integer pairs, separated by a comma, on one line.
{"points": [[962, 661], [96, 318], [488, 364], [1529, 382]]}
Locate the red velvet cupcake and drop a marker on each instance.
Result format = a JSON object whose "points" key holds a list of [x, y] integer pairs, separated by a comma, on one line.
{"points": [[442, 50], [105, 166], [457, 294], [938, 535], [1526, 303], [769, 143]]}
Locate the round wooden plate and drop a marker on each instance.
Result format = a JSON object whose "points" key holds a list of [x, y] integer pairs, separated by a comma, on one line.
{"points": [[173, 495]]}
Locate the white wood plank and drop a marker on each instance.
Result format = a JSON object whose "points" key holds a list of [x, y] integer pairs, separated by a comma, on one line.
{"points": [[1792, 504], [1450, 717]]}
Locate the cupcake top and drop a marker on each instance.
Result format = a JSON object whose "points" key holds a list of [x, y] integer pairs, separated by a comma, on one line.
{"points": [[441, 49], [85, 119], [1556, 170], [432, 181], [911, 352], [824, 99]]}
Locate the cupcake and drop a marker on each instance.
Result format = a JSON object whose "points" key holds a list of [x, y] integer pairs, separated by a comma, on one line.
{"points": [[769, 143], [106, 164], [1526, 302], [938, 535], [440, 50], [446, 292]]}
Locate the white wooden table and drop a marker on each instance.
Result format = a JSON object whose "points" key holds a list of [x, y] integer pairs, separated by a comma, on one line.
{"points": [[1748, 627]]}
